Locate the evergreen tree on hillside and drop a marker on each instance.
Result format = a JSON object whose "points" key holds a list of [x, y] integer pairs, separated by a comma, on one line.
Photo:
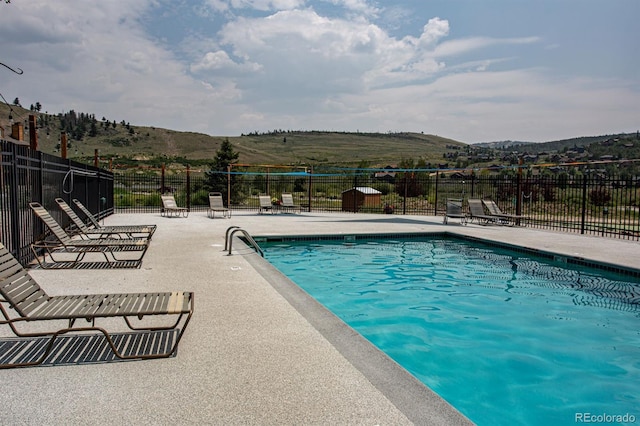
{"points": [[93, 131], [216, 178]]}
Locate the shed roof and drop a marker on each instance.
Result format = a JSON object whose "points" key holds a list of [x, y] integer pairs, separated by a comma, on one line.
{"points": [[364, 190]]}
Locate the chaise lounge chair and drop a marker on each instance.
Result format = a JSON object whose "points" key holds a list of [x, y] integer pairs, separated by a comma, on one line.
{"points": [[478, 214], [130, 230], [216, 205], [79, 247], [454, 211], [170, 208], [265, 204], [24, 301], [104, 231], [287, 203], [494, 210]]}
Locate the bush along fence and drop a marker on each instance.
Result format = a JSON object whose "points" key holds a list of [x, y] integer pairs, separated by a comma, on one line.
{"points": [[570, 201], [28, 175]]}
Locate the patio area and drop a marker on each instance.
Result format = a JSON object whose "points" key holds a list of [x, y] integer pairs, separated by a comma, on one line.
{"points": [[257, 350]]}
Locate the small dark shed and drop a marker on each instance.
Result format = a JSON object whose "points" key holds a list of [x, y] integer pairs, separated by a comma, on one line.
{"points": [[360, 197]]}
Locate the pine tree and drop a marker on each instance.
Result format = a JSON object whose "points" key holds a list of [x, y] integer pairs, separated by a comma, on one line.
{"points": [[216, 178]]}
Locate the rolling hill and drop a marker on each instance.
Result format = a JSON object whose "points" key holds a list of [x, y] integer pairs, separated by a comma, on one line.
{"points": [[125, 143], [137, 145]]}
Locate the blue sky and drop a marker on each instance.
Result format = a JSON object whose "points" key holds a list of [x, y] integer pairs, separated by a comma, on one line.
{"points": [[470, 70]]}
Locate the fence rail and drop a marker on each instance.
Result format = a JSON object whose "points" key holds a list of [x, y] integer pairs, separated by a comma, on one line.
{"points": [[569, 202], [578, 203], [26, 176]]}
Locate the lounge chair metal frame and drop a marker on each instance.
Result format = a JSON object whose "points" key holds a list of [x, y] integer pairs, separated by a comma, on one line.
{"points": [[455, 211], [265, 204], [217, 205], [125, 229], [85, 232], [170, 207], [79, 247], [24, 301], [288, 205], [478, 214], [507, 219]]}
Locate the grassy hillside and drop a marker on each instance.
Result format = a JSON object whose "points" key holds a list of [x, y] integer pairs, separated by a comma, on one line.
{"points": [[124, 143]]}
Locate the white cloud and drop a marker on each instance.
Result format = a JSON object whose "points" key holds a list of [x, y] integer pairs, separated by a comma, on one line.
{"points": [[220, 61], [262, 5], [433, 31], [461, 46], [293, 67], [358, 6]]}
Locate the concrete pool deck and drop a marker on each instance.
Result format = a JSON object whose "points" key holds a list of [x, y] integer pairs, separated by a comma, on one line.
{"points": [[257, 350]]}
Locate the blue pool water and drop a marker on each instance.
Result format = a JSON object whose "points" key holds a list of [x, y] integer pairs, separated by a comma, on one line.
{"points": [[504, 337]]}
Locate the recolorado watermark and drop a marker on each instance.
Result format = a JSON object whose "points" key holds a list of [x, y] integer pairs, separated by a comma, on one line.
{"points": [[604, 418]]}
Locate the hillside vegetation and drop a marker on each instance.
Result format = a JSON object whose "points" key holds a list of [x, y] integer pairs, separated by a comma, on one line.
{"points": [[126, 143], [129, 145]]}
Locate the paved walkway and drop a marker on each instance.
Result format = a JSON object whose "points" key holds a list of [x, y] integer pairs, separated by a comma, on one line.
{"points": [[257, 351]]}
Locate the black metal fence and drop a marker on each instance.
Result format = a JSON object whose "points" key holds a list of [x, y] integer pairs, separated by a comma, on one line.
{"points": [[571, 202], [27, 176]]}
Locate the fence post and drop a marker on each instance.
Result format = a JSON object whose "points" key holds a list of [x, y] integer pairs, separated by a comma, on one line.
{"points": [[188, 187], [473, 184], [519, 190], [13, 203], [162, 186], [404, 199], [33, 134], [310, 190], [63, 145], [355, 193], [435, 204], [584, 203], [229, 185]]}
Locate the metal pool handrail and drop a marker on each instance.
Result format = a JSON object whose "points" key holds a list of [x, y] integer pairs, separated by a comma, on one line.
{"points": [[228, 240]]}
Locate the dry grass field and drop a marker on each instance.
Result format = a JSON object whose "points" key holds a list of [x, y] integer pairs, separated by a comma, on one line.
{"points": [[305, 147]]}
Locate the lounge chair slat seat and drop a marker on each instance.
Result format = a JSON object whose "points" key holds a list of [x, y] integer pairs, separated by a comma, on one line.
{"points": [[30, 300], [170, 207], [101, 232], [125, 229], [265, 204], [288, 204], [131, 303], [110, 305], [494, 210], [23, 301], [150, 303], [477, 212], [217, 205], [62, 306], [454, 210], [106, 246]]}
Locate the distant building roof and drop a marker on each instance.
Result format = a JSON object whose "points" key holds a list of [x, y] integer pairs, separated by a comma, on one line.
{"points": [[364, 190], [383, 174]]}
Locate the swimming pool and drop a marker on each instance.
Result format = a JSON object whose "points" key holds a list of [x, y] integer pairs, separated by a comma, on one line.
{"points": [[506, 338]]}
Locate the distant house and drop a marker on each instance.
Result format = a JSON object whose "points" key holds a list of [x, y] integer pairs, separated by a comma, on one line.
{"points": [[360, 197], [457, 175], [388, 175]]}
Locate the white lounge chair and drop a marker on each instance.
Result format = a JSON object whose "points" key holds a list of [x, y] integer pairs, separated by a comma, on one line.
{"points": [[170, 207], [216, 205], [287, 203], [265, 204]]}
